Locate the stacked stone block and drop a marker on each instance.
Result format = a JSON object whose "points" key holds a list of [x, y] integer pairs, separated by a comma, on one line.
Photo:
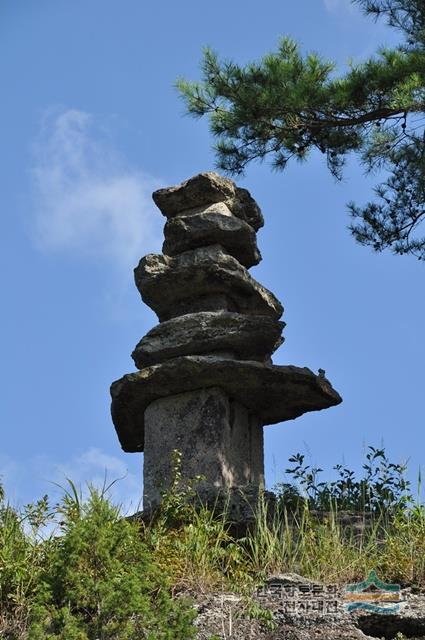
{"points": [[206, 384]]}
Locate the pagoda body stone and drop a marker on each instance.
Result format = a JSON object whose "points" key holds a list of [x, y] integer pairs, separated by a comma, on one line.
{"points": [[212, 432], [206, 384]]}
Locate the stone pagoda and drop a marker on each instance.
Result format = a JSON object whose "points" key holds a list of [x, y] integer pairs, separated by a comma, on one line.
{"points": [[206, 384]]}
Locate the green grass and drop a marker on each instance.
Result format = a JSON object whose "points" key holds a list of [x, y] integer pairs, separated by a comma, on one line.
{"points": [[201, 554]]}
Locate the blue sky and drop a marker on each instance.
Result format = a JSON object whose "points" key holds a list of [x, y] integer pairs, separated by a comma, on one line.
{"points": [[91, 125]]}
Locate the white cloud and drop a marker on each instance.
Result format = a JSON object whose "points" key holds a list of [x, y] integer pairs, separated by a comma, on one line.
{"points": [[87, 199], [31, 479], [99, 469]]}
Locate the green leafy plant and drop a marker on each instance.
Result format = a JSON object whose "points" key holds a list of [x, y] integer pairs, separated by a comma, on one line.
{"points": [[254, 611], [383, 488]]}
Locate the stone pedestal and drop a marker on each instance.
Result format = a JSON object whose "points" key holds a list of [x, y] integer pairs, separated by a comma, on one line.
{"points": [[217, 437], [206, 383]]}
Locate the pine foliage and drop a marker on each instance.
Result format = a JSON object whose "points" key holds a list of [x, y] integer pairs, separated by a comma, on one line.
{"points": [[289, 104]]}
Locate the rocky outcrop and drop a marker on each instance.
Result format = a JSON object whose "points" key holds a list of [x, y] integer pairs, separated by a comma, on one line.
{"points": [[206, 384], [227, 615]]}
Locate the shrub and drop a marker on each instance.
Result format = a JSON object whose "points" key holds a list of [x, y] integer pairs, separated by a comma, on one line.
{"points": [[101, 583], [96, 580]]}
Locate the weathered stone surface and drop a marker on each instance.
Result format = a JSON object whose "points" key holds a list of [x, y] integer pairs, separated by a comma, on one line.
{"points": [[216, 437], [210, 227], [273, 393], [216, 609], [205, 189], [225, 615], [204, 279], [215, 207], [246, 337]]}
